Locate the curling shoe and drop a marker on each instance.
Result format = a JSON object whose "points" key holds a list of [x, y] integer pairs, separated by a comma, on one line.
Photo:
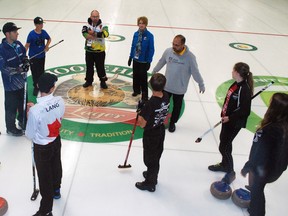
{"points": [[103, 85], [87, 84], [43, 214], [145, 186], [134, 94], [217, 168], [229, 177], [15, 132]]}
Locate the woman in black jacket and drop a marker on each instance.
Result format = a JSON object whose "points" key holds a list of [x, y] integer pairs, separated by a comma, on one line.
{"points": [[234, 114], [268, 156]]}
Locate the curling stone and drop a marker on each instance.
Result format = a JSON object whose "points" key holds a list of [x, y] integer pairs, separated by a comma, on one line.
{"points": [[220, 190], [241, 198], [3, 206]]}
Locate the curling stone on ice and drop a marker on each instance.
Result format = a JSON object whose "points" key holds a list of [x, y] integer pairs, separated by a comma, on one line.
{"points": [[241, 198], [3, 206], [220, 190]]}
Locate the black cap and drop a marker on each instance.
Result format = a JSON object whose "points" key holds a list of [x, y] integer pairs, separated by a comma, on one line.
{"points": [[46, 82], [38, 20], [9, 26]]}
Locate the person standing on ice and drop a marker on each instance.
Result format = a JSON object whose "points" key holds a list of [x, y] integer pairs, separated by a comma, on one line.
{"points": [[43, 128], [152, 114], [95, 33], [142, 51], [38, 40], [268, 155], [180, 66], [235, 112], [14, 65]]}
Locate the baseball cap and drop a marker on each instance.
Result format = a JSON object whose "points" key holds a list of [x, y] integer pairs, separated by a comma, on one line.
{"points": [[9, 26], [46, 82], [38, 20]]}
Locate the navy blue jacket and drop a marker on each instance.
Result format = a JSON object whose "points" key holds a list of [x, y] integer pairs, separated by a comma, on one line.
{"points": [[11, 58]]}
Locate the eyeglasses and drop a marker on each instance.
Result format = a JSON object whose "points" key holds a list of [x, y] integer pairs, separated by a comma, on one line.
{"points": [[95, 17]]}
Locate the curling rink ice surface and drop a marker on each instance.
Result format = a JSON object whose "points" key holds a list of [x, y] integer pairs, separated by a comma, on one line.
{"points": [[220, 33]]}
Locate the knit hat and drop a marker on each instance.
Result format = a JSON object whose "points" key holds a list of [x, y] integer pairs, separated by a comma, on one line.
{"points": [[9, 27], [46, 82]]}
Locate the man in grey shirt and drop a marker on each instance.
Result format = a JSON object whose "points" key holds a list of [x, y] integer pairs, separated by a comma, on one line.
{"points": [[181, 65]]}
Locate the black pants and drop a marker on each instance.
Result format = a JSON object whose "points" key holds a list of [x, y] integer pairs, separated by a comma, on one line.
{"points": [[258, 183], [153, 141], [37, 69], [228, 132], [140, 79], [97, 59], [257, 203], [14, 101], [177, 105], [49, 168]]}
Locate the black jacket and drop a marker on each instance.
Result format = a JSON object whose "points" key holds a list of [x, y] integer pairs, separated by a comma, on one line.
{"points": [[268, 157], [239, 105]]}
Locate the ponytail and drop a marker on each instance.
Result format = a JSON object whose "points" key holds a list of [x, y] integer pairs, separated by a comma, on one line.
{"points": [[244, 71], [250, 82]]}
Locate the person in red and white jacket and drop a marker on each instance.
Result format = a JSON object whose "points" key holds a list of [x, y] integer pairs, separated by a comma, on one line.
{"points": [[43, 128], [235, 112]]}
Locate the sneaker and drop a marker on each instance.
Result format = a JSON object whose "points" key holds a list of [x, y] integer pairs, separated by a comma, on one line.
{"points": [[172, 127], [15, 132], [217, 168], [134, 94], [35, 91], [38, 213], [144, 186], [57, 194], [87, 84], [145, 176], [229, 177], [103, 85]]}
